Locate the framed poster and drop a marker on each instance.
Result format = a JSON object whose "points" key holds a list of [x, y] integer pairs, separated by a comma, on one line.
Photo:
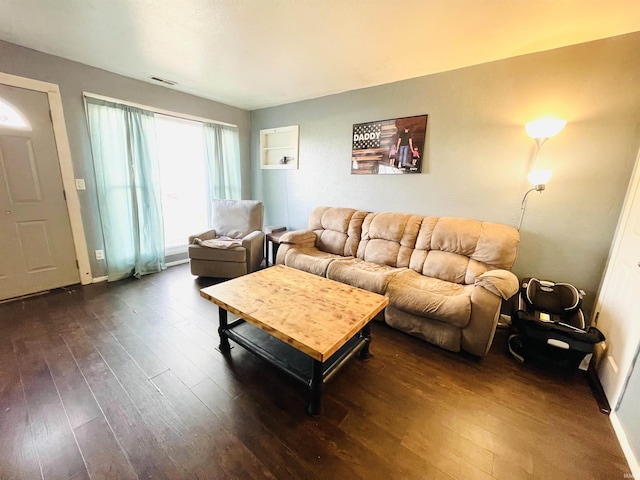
{"points": [[389, 147]]}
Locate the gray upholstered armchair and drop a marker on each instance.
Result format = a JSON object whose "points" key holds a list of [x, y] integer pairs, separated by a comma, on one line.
{"points": [[235, 244]]}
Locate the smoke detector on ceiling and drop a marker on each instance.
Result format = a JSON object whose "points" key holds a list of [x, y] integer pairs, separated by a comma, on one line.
{"points": [[163, 80]]}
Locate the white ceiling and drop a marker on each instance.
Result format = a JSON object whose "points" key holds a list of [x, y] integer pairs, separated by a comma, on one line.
{"points": [[260, 53]]}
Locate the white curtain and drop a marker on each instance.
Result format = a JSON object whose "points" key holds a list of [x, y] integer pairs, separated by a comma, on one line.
{"points": [[128, 186], [222, 150]]}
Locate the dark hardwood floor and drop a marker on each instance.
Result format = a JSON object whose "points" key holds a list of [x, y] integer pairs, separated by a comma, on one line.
{"points": [[123, 381]]}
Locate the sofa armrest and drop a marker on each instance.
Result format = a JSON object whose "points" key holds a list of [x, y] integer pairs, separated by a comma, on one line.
{"points": [[208, 235], [499, 282], [486, 299], [303, 238], [294, 239]]}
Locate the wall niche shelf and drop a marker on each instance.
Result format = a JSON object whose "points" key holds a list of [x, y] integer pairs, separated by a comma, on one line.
{"points": [[279, 148]]}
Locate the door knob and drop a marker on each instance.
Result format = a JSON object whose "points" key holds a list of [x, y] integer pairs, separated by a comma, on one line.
{"points": [[7, 212]]}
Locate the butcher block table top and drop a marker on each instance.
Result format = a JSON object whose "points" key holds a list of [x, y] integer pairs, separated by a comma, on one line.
{"points": [[315, 315]]}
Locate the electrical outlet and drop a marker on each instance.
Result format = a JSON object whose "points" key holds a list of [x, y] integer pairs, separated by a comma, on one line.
{"points": [[99, 254], [80, 184]]}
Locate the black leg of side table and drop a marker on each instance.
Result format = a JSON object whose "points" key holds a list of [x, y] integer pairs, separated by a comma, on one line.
{"points": [[315, 389], [224, 340]]}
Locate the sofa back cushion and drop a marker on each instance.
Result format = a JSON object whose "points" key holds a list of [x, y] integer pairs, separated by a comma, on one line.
{"points": [[388, 238], [459, 249], [337, 229]]}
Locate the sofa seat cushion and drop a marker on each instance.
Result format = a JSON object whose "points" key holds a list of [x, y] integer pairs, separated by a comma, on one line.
{"points": [[310, 260], [430, 297], [236, 254], [366, 275]]}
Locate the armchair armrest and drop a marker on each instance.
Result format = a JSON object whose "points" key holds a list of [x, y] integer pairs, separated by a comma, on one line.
{"points": [[298, 237], [254, 245], [254, 238], [499, 282], [208, 235]]}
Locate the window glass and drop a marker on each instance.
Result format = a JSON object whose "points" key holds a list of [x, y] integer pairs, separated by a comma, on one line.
{"points": [[10, 117], [183, 185]]}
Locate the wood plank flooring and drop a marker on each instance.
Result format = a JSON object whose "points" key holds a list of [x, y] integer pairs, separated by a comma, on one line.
{"points": [[123, 381]]}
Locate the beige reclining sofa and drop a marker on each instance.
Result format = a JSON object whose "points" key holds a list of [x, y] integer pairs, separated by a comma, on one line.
{"points": [[445, 277]]}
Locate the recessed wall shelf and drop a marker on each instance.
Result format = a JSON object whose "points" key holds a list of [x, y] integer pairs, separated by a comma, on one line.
{"points": [[279, 148]]}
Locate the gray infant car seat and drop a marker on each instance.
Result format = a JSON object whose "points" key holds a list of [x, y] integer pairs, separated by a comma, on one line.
{"points": [[550, 326]]}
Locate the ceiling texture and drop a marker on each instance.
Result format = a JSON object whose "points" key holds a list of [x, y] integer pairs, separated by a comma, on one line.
{"points": [[259, 53]]}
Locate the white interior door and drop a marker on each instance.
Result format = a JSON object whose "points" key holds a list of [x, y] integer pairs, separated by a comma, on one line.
{"points": [[618, 316], [36, 244]]}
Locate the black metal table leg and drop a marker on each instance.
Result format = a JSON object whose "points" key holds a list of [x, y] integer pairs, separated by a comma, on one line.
{"points": [[315, 389], [224, 340], [366, 334]]}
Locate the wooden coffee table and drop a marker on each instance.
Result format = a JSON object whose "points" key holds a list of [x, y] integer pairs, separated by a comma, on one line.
{"points": [[307, 326]]}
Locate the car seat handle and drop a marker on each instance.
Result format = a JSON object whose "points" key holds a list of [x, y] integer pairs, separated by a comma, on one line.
{"points": [[558, 343]]}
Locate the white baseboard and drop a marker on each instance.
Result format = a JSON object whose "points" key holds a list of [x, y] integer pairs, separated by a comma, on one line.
{"points": [[177, 262], [626, 448], [170, 264]]}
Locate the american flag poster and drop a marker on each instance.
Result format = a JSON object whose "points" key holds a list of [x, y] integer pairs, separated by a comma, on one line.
{"points": [[366, 135], [389, 147]]}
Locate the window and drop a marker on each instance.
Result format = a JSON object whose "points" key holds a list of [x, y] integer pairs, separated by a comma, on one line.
{"points": [[156, 174], [11, 117], [182, 175]]}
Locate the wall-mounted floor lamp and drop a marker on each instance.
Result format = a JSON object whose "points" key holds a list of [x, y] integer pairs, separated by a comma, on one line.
{"points": [[540, 130]]}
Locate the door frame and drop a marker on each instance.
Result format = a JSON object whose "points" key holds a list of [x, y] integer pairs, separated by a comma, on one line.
{"points": [[624, 371], [65, 163], [631, 196]]}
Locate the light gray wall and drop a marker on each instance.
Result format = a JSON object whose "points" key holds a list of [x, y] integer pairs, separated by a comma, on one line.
{"points": [[477, 152], [73, 78]]}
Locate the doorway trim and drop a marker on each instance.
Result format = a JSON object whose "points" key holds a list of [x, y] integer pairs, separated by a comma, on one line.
{"points": [[66, 166], [621, 372]]}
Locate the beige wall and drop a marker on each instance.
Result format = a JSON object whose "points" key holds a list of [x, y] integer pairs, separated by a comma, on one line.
{"points": [[73, 78], [478, 152]]}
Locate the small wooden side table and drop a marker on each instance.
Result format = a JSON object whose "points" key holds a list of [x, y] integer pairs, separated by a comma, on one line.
{"points": [[272, 237]]}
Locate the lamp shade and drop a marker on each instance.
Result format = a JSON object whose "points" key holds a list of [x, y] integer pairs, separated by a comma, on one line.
{"points": [[539, 177], [545, 127]]}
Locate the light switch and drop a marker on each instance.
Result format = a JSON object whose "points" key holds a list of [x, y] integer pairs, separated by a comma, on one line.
{"points": [[80, 184]]}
